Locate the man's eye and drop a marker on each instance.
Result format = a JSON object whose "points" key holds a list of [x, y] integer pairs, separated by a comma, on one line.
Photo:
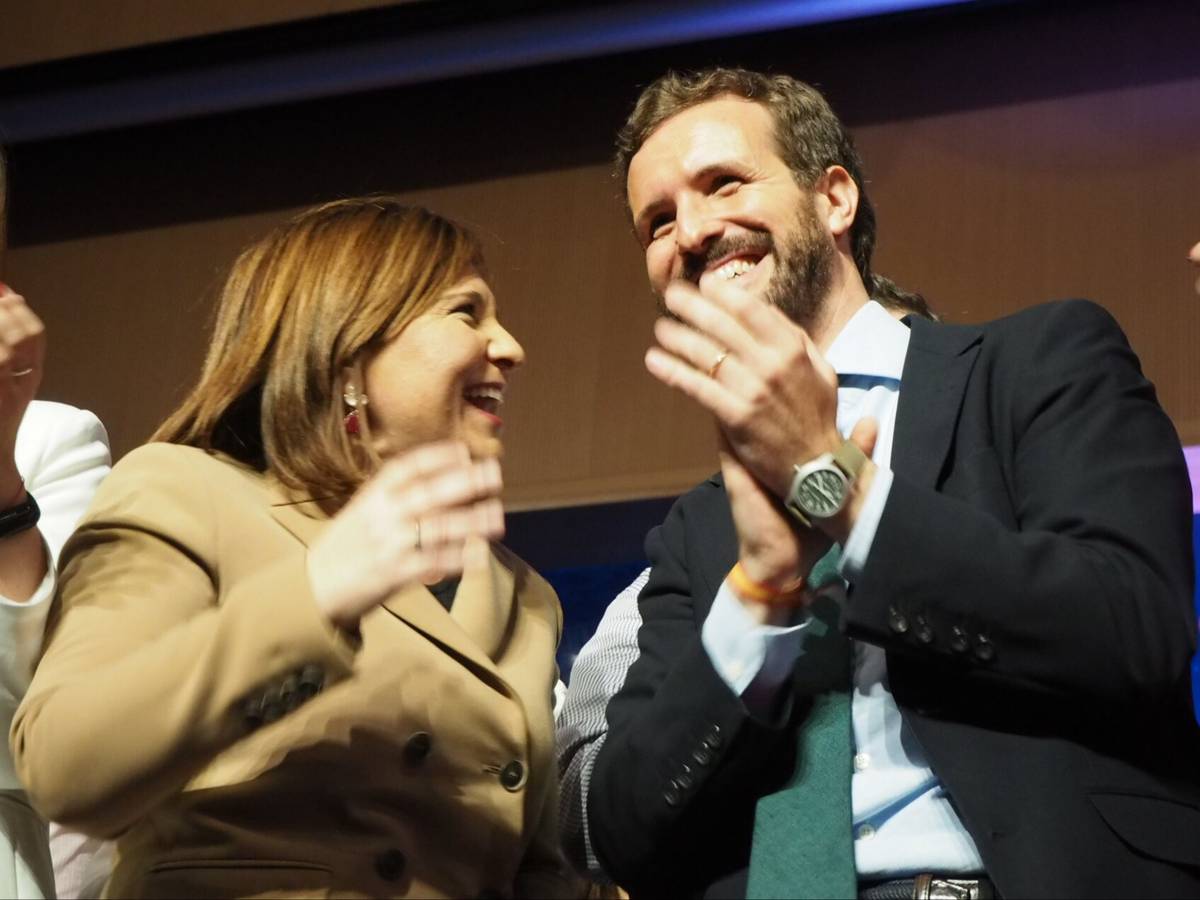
{"points": [[659, 226], [726, 184]]}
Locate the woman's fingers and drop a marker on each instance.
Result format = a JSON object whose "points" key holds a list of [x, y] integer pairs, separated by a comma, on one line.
{"points": [[411, 522]]}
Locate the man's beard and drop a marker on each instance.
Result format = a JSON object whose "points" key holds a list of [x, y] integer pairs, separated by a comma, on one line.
{"points": [[804, 270], [804, 265]]}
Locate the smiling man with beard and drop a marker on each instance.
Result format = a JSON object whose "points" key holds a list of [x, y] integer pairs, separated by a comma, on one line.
{"points": [[928, 632]]}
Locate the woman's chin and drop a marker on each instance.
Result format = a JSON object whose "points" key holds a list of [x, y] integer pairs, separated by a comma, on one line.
{"points": [[485, 447]]}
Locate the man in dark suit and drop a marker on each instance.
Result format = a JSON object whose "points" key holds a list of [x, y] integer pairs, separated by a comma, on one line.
{"points": [[996, 516]]}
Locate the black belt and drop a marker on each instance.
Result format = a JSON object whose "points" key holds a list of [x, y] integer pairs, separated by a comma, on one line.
{"points": [[929, 887]]}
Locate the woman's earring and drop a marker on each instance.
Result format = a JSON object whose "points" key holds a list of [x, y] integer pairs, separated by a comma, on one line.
{"points": [[356, 402]]}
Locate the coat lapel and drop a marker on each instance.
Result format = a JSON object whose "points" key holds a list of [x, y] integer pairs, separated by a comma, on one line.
{"points": [[936, 369], [483, 606], [485, 593]]}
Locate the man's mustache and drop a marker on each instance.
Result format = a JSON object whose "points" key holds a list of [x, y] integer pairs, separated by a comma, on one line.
{"points": [[757, 242]]}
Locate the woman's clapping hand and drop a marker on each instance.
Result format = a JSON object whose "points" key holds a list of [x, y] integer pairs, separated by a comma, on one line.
{"points": [[411, 522]]}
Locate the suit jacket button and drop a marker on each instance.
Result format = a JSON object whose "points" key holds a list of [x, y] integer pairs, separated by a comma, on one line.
{"points": [[390, 865], [985, 650], [512, 776], [958, 640], [417, 747], [897, 621], [713, 739]]}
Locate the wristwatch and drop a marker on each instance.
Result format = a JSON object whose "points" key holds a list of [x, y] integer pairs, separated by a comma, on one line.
{"points": [[19, 518], [820, 487]]}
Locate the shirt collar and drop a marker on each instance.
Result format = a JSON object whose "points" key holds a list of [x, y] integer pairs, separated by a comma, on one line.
{"points": [[873, 343]]}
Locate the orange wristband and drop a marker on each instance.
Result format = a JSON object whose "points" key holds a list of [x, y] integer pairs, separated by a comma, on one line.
{"points": [[758, 592]]}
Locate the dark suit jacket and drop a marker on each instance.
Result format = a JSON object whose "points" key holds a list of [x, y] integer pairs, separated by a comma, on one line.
{"points": [[1031, 581]]}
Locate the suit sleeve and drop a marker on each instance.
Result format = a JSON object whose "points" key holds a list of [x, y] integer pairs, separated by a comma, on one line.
{"points": [[673, 789], [1086, 591], [149, 658]]}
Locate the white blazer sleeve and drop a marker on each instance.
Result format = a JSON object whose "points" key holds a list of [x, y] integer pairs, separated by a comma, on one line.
{"points": [[62, 453]]}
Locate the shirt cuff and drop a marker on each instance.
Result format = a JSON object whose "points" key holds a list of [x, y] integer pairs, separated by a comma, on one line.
{"points": [[744, 652], [862, 535], [44, 591]]}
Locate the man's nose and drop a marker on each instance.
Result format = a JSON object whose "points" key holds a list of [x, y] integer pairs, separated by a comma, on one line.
{"points": [[695, 226]]}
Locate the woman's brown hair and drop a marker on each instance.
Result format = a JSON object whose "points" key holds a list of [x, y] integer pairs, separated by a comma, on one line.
{"points": [[299, 306]]}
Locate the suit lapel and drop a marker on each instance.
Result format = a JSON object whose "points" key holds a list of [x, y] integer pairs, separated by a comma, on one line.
{"points": [[936, 369]]}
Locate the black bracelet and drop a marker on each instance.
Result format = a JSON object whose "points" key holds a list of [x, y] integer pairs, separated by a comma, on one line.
{"points": [[19, 518]]}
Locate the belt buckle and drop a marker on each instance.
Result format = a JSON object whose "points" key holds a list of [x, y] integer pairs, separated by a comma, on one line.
{"points": [[930, 887]]}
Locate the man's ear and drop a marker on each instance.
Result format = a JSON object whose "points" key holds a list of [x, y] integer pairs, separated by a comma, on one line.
{"points": [[837, 200]]}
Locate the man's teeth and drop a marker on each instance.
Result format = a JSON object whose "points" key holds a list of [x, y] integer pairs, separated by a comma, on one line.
{"points": [[735, 268]]}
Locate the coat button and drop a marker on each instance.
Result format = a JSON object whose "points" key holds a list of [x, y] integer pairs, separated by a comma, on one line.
{"points": [[289, 693], [310, 681], [272, 710], [702, 755], [897, 621], [673, 795], [985, 650], [390, 865], [958, 640], [923, 632], [417, 747], [512, 776]]}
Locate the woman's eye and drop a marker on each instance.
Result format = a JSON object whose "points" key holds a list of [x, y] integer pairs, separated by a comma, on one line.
{"points": [[465, 309]]}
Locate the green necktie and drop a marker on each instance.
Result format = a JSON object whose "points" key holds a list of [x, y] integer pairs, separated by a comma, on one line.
{"points": [[803, 846]]}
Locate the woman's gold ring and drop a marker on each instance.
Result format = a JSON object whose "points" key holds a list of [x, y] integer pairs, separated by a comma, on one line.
{"points": [[716, 363]]}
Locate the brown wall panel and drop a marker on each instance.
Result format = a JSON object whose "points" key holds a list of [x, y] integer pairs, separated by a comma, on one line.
{"points": [[128, 317], [1094, 195], [1007, 196]]}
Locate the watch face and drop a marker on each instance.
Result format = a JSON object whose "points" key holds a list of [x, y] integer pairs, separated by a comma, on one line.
{"points": [[822, 493]]}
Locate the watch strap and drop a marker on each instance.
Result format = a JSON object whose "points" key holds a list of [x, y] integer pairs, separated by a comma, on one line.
{"points": [[850, 459], [19, 518]]}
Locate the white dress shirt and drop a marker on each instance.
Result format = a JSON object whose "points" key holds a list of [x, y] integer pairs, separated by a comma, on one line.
{"points": [[904, 821]]}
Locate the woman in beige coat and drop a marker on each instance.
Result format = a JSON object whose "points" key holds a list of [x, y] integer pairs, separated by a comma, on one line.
{"points": [[263, 675]]}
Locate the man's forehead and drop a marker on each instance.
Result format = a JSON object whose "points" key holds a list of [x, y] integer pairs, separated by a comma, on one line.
{"points": [[717, 131]]}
